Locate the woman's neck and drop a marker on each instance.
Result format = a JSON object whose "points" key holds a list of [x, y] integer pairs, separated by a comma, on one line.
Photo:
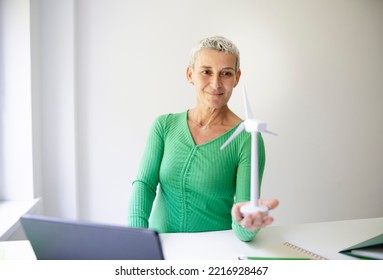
{"points": [[206, 117]]}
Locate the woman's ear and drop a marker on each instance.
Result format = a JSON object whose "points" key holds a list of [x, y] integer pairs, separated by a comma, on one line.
{"points": [[189, 74], [238, 76]]}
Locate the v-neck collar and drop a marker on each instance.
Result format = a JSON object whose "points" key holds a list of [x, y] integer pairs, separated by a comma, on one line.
{"points": [[185, 121]]}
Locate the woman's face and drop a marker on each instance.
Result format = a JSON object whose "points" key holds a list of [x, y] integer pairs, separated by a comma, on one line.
{"points": [[214, 77]]}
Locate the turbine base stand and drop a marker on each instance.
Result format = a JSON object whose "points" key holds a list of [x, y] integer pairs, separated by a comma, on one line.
{"points": [[252, 209]]}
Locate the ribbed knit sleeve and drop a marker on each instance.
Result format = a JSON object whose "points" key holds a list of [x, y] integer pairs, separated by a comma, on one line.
{"points": [[145, 184]]}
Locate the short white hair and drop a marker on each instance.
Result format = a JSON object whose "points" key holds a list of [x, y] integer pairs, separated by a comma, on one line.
{"points": [[217, 43]]}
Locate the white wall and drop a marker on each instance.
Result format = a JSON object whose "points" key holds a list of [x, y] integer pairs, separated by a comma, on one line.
{"points": [[54, 114], [313, 69], [16, 169]]}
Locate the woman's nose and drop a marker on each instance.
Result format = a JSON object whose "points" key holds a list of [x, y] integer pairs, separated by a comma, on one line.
{"points": [[215, 81]]}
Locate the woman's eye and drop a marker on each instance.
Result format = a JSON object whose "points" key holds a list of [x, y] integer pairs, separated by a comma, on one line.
{"points": [[227, 74], [206, 72]]}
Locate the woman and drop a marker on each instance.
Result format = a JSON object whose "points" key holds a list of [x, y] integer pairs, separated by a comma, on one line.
{"points": [[197, 186]]}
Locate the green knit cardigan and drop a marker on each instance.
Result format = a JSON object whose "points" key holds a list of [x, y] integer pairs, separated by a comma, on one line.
{"points": [[184, 187]]}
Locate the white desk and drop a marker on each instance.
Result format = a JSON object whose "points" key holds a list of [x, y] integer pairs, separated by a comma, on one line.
{"points": [[16, 250], [325, 239]]}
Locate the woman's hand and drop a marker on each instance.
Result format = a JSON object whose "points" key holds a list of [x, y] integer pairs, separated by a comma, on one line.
{"points": [[256, 220]]}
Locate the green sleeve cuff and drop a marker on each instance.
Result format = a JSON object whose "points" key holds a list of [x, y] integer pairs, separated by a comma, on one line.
{"points": [[244, 234]]}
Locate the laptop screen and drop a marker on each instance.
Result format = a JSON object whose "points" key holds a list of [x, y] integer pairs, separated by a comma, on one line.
{"points": [[62, 239]]}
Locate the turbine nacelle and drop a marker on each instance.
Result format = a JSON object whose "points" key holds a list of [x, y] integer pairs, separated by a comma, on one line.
{"points": [[255, 125]]}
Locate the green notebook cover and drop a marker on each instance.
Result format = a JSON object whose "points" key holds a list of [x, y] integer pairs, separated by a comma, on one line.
{"points": [[369, 249]]}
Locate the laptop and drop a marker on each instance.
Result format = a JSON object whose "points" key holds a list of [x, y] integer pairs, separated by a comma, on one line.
{"points": [[63, 239]]}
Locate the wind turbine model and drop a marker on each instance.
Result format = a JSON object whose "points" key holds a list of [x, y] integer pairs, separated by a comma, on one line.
{"points": [[252, 126]]}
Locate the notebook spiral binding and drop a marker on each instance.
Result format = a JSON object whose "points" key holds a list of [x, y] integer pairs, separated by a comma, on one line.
{"points": [[304, 251]]}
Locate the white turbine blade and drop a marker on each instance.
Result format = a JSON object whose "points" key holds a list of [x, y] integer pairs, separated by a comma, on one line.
{"points": [[249, 113], [270, 132], [235, 134]]}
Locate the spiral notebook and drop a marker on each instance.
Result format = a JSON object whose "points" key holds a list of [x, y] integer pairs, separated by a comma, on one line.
{"points": [[286, 251]]}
